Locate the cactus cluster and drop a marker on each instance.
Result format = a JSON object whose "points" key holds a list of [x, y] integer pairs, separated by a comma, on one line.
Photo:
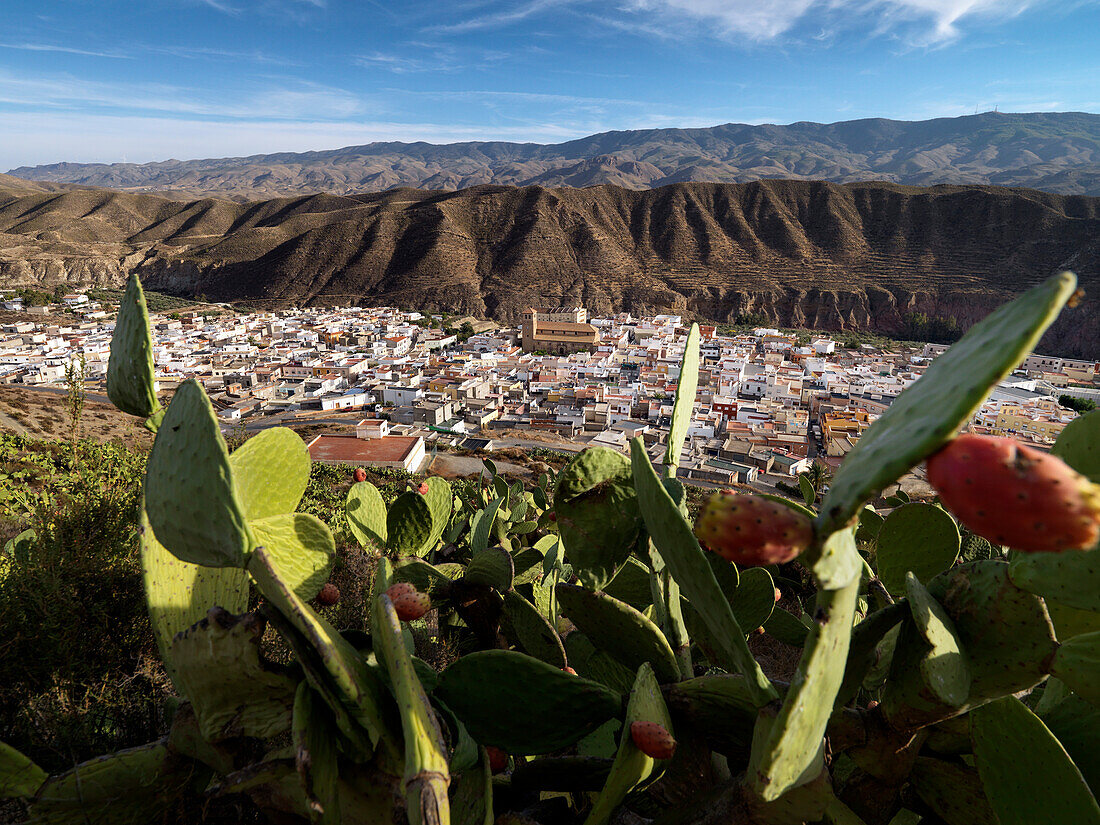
{"points": [[606, 669]]}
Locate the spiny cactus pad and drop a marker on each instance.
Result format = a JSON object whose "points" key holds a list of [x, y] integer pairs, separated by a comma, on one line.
{"points": [[1026, 773], [366, 512], [684, 404], [1079, 445], [270, 473], [944, 666], [189, 491], [408, 525], [131, 382], [302, 547], [953, 791], [916, 537], [19, 776], [1077, 663], [316, 755], [928, 413], [522, 705], [533, 631], [619, 630], [493, 567], [438, 495], [233, 691], [1070, 578]]}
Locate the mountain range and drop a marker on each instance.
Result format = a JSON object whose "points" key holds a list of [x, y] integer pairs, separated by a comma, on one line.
{"points": [[802, 253], [1054, 152]]}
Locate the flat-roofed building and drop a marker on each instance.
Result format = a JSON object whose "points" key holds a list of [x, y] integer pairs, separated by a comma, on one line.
{"points": [[559, 331]]}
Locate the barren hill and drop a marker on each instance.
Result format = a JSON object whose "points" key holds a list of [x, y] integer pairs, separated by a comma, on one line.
{"points": [[1057, 152], [800, 253]]}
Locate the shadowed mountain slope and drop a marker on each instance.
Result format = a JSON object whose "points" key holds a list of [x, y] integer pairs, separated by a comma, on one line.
{"points": [[799, 253]]}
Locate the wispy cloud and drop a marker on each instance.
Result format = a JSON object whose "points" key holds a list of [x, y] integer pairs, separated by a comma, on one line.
{"points": [[48, 47], [501, 16], [219, 5]]}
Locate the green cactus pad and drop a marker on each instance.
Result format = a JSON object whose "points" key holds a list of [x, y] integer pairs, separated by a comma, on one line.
{"points": [[927, 414], [685, 399], [19, 776], [522, 705], [533, 631], [1072, 577], [719, 707], [864, 650], [366, 513], [472, 794], [189, 491], [953, 791], [1079, 445], [316, 757], [917, 538], [270, 473], [786, 627], [423, 576], [754, 599], [632, 767], [359, 693], [835, 562], [674, 539], [1076, 725], [493, 568], [426, 770], [619, 630], [782, 759], [631, 585], [131, 381], [806, 487], [439, 498], [233, 691], [870, 522], [597, 514], [130, 787], [944, 666], [1006, 633], [1077, 663], [482, 526], [302, 547], [594, 664], [527, 564], [1069, 621], [1027, 775], [408, 524], [178, 593]]}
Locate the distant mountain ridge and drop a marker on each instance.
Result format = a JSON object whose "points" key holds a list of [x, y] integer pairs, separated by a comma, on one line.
{"points": [[1055, 152], [796, 253]]}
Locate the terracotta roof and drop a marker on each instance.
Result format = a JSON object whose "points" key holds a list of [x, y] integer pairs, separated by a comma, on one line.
{"points": [[351, 449]]}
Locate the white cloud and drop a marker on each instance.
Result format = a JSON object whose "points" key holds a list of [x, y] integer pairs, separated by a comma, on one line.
{"points": [[501, 17], [762, 21], [46, 47]]}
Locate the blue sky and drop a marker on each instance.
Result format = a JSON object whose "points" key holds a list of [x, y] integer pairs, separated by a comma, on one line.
{"points": [[102, 80]]}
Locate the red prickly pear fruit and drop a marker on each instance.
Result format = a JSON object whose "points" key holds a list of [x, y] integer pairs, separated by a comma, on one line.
{"points": [[360, 474], [1012, 494], [653, 739], [408, 602], [569, 670], [751, 531], [552, 515], [498, 759], [423, 488], [329, 595]]}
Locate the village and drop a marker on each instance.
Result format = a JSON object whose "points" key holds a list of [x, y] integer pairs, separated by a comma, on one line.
{"points": [[396, 387]]}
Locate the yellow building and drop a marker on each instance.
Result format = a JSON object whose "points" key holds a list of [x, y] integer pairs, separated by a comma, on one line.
{"points": [[559, 331]]}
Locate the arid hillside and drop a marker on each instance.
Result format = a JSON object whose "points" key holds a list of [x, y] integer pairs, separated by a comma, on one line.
{"points": [[796, 252], [1053, 151]]}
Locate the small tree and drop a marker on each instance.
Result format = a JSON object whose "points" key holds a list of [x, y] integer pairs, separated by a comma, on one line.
{"points": [[1081, 405], [75, 372]]}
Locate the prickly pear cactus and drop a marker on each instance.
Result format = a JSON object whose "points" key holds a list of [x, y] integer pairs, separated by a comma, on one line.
{"points": [[131, 380]]}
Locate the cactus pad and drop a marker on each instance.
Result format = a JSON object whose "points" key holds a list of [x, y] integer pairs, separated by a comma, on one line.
{"points": [[719, 707], [366, 513], [944, 665], [270, 473], [522, 705], [632, 767], [19, 776], [954, 792], [784, 755], [533, 631], [493, 568], [408, 525], [1027, 776], [189, 491], [920, 538], [596, 665], [131, 381], [619, 630], [927, 414], [1079, 445], [678, 547], [438, 497], [685, 398], [1072, 578], [233, 691], [315, 756], [1077, 663], [302, 547], [597, 514]]}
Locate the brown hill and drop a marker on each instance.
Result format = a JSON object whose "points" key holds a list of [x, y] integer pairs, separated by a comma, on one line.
{"points": [[1053, 151], [800, 253]]}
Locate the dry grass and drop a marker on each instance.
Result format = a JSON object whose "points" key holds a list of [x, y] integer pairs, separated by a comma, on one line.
{"points": [[43, 415]]}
